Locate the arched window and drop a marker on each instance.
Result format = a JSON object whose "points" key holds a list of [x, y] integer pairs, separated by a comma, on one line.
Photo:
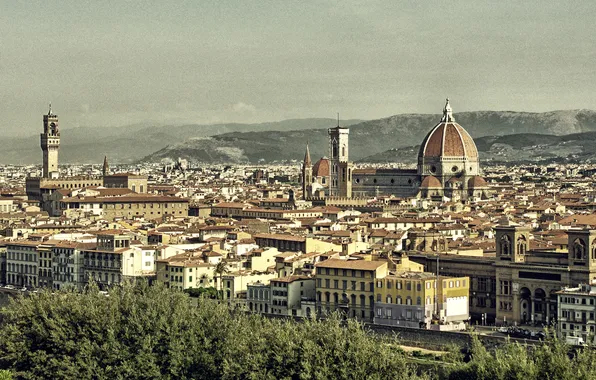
{"points": [[521, 245], [505, 245], [579, 249], [398, 300], [388, 299], [418, 301]]}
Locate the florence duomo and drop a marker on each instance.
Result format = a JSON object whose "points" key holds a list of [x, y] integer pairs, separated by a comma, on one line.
{"points": [[448, 167]]}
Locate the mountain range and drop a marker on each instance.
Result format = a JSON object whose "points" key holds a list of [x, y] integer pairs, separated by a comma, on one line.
{"points": [[374, 140], [396, 135], [130, 143]]}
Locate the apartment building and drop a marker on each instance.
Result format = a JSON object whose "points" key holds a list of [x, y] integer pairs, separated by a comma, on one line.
{"points": [[417, 299], [576, 316], [348, 286]]}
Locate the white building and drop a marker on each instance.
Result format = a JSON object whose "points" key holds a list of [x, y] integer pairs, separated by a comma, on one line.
{"points": [[576, 311]]}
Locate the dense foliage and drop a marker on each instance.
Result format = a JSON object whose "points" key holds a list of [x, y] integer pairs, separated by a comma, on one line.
{"points": [[152, 332], [209, 292]]}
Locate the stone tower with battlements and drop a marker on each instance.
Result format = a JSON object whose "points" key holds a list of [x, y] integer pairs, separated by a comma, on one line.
{"points": [[50, 144]]}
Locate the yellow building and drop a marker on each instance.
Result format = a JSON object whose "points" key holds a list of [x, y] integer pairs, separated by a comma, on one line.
{"points": [[348, 286], [185, 271], [416, 299]]}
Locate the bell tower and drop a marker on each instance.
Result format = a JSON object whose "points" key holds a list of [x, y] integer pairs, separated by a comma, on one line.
{"points": [[306, 175], [340, 171], [50, 143], [512, 242]]}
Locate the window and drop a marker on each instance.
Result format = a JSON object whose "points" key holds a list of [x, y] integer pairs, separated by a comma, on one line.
{"points": [[388, 300], [505, 287], [336, 284], [379, 297], [327, 283], [379, 312]]}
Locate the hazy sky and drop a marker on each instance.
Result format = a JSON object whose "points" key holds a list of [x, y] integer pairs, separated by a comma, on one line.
{"points": [[105, 63]]}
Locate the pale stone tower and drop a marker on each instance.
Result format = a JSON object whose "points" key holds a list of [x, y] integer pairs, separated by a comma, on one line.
{"points": [[340, 173], [306, 175], [50, 143]]}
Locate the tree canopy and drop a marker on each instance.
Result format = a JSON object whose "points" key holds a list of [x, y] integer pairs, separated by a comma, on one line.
{"points": [[142, 332], [152, 332]]}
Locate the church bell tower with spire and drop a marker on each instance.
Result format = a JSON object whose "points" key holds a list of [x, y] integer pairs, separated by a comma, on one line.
{"points": [[106, 168], [306, 175], [50, 144]]}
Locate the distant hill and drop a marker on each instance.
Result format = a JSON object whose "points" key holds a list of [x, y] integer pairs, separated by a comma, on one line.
{"points": [[516, 148], [377, 136], [130, 143]]}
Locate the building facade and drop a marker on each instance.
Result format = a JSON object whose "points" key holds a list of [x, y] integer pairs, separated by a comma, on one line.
{"points": [[348, 286]]}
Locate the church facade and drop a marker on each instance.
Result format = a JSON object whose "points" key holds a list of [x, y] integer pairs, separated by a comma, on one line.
{"points": [[448, 166]]}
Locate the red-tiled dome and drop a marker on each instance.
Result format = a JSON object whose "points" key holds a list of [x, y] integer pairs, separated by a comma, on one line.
{"points": [[321, 168], [430, 182], [476, 182], [448, 139]]}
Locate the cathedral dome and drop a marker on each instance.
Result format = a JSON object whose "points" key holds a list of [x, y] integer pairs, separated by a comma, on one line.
{"points": [[476, 182], [448, 139], [430, 182], [321, 168]]}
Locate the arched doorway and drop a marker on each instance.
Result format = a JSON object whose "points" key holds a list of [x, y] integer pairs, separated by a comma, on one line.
{"points": [[551, 313], [540, 305], [525, 296]]}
